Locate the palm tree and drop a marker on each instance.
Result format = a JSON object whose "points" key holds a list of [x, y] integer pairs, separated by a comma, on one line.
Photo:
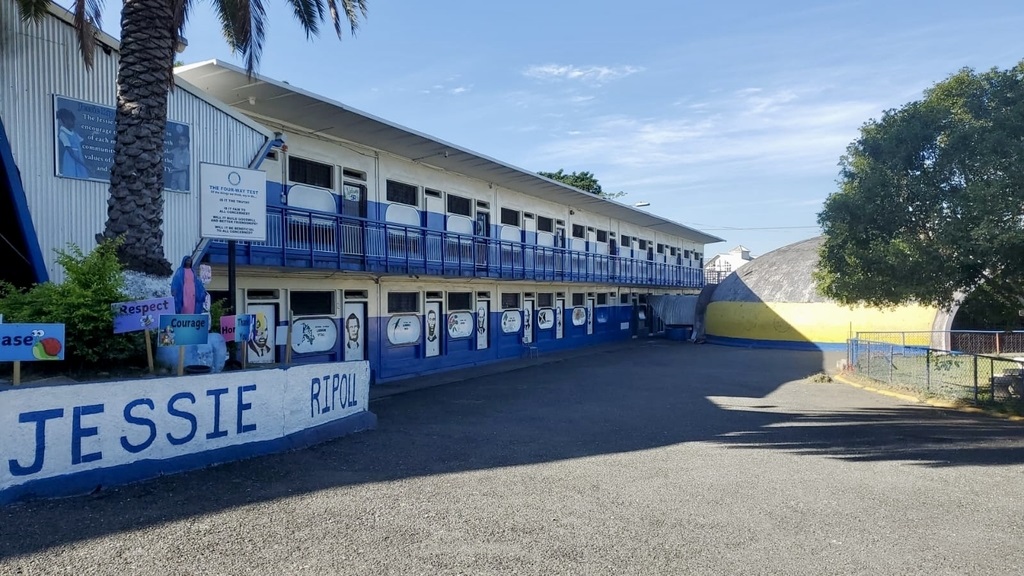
{"points": [[149, 36]]}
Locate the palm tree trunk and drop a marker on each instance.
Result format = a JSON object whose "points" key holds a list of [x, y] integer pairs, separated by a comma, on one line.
{"points": [[135, 207]]}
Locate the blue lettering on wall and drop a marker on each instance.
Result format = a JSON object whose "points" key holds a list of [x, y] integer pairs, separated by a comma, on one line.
{"points": [[217, 432], [138, 420], [39, 417], [314, 397], [340, 393], [78, 432], [242, 407], [182, 414], [335, 389]]}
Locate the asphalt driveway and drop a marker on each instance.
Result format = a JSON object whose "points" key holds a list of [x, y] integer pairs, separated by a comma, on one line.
{"points": [[649, 458]]}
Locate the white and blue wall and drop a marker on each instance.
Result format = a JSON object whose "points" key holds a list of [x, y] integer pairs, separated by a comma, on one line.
{"points": [[67, 440]]}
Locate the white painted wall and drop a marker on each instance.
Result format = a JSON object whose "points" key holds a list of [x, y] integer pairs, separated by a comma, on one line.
{"points": [[94, 426]]}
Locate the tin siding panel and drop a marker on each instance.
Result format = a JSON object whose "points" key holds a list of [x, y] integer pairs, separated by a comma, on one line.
{"points": [[38, 60]]}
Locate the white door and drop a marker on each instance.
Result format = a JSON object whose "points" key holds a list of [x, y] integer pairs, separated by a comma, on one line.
{"points": [[527, 321], [559, 313], [483, 317], [433, 331], [590, 316], [261, 349], [354, 331]]}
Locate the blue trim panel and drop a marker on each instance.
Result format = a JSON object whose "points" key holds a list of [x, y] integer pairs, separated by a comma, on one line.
{"points": [[28, 230], [777, 344], [85, 482]]}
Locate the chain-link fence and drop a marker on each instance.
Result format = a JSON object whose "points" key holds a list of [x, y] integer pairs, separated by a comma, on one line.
{"points": [[955, 375], [970, 341]]}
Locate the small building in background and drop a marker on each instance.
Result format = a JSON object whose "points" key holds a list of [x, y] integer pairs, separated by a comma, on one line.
{"points": [[721, 265]]}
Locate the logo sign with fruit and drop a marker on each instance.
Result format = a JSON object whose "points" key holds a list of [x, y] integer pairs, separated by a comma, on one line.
{"points": [[30, 342]]}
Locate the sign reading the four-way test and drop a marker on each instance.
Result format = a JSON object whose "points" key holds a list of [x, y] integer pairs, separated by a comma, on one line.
{"points": [[232, 203]]}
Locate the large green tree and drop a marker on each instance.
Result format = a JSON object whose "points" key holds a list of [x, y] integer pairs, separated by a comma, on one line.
{"points": [[931, 198], [149, 37], [585, 181]]}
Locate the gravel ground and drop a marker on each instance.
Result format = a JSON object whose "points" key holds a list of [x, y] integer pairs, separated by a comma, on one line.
{"points": [[664, 458]]}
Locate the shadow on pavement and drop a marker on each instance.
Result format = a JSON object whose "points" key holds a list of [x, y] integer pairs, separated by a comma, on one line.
{"points": [[648, 395]]}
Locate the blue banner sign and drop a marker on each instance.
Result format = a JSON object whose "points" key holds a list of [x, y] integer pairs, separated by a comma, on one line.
{"points": [[140, 314], [183, 330], [84, 142], [31, 342]]}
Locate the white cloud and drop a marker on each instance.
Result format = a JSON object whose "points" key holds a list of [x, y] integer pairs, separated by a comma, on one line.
{"points": [[589, 74]]}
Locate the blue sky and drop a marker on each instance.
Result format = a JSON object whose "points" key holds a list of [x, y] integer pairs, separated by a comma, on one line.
{"points": [[729, 116]]}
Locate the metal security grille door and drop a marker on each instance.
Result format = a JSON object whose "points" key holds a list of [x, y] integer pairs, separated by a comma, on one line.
{"points": [[482, 229]]}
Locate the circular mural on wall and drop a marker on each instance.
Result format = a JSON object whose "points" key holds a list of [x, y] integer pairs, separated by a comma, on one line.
{"points": [[511, 321], [579, 316], [404, 329], [545, 318], [314, 335], [460, 324]]}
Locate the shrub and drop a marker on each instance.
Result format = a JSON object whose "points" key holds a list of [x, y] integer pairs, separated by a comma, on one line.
{"points": [[82, 302]]}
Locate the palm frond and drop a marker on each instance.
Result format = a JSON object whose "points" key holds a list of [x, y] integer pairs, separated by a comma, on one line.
{"points": [[309, 14], [181, 10], [354, 9], [32, 10], [87, 21], [244, 26]]}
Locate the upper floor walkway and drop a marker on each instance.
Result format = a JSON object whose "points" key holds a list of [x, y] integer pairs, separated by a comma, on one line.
{"points": [[314, 240]]}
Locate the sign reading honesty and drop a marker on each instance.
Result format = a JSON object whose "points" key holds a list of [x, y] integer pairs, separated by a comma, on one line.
{"points": [[232, 203], [140, 314], [183, 329]]}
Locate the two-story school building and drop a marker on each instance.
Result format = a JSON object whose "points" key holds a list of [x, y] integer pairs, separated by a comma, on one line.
{"points": [[382, 243], [418, 255]]}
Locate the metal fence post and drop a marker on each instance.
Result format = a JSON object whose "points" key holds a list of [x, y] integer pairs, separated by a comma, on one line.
{"points": [[975, 359], [869, 356], [928, 370], [992, 379], [891, 349]]}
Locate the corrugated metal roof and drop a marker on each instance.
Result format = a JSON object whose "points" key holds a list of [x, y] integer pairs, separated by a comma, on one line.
{"points": [[263, 97]]}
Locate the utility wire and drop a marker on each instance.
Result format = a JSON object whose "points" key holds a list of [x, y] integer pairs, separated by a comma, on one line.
{"points": [[709, 227]]}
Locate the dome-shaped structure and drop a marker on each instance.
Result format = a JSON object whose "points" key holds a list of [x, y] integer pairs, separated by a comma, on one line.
{"points": [[773, 302]]}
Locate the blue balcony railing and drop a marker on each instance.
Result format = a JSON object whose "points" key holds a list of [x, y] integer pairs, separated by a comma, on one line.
{"points": [[304, 239]]}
